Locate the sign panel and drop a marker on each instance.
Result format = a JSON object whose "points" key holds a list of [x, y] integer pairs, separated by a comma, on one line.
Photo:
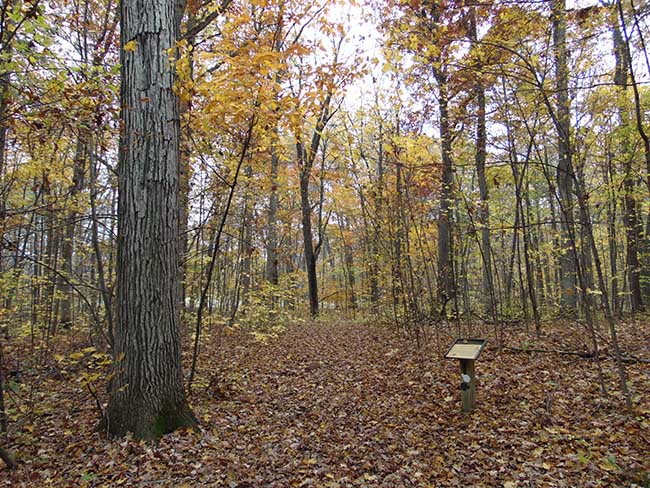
{"points": [[466, 349]]}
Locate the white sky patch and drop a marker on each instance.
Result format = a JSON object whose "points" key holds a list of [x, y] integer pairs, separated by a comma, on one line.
{"points": [[363, 43]]}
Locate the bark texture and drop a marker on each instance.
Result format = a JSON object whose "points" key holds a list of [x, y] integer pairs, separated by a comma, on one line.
{"points": [[565, 175], [147, 396]]}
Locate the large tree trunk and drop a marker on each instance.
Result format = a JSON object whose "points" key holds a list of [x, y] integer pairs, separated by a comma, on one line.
{"points": [[564, 167], [147, 396]]}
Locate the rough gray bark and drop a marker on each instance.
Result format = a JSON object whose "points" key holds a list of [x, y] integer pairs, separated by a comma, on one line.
{"points": [[564, 176], [147, 396]]}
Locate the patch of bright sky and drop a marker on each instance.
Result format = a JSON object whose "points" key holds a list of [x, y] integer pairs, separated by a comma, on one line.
{"points": [[362, 43], [364, 40]]}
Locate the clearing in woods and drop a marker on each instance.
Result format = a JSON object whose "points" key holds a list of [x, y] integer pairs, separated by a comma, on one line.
{"points": [[345, 404]]}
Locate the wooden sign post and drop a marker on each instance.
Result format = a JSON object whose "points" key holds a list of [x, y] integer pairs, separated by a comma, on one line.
{"points": [[467, 351]]}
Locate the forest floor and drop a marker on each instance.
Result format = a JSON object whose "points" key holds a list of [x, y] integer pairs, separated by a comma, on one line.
{"points": [[344, 404]]}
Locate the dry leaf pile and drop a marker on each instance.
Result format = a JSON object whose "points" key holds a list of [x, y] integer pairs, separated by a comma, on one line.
{"points": [[343, 404]]}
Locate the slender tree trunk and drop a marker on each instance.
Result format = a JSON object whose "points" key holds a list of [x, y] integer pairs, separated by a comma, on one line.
{"points": [[106, 294], [147, 396], [4, 105], [631, 219], [623, 54], [535, 244], [585, 248], [480, 157], [622, 375], [510, 282], [245, 243], [308, 243], [349, 264], [53, 239], [67, 246], [422, 246], [306, 157], [554, 279], [611, 236], [185, 166], [446, 285], [215, 243], [519, 183], [271, 271], [3, 414], [375, 290], [398, 238]]}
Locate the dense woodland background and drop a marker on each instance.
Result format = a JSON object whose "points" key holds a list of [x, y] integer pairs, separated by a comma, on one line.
{"points": [[424, 170]]}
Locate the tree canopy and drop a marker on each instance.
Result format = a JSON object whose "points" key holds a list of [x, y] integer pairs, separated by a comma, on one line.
{"points": [[185, 182]]}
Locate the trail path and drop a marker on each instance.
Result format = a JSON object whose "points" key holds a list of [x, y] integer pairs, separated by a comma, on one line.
{"points": [[338, 404], [355, 405], [344, 404]]}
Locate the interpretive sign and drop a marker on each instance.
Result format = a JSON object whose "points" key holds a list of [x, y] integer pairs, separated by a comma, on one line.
{"points": [[467, 351]]}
